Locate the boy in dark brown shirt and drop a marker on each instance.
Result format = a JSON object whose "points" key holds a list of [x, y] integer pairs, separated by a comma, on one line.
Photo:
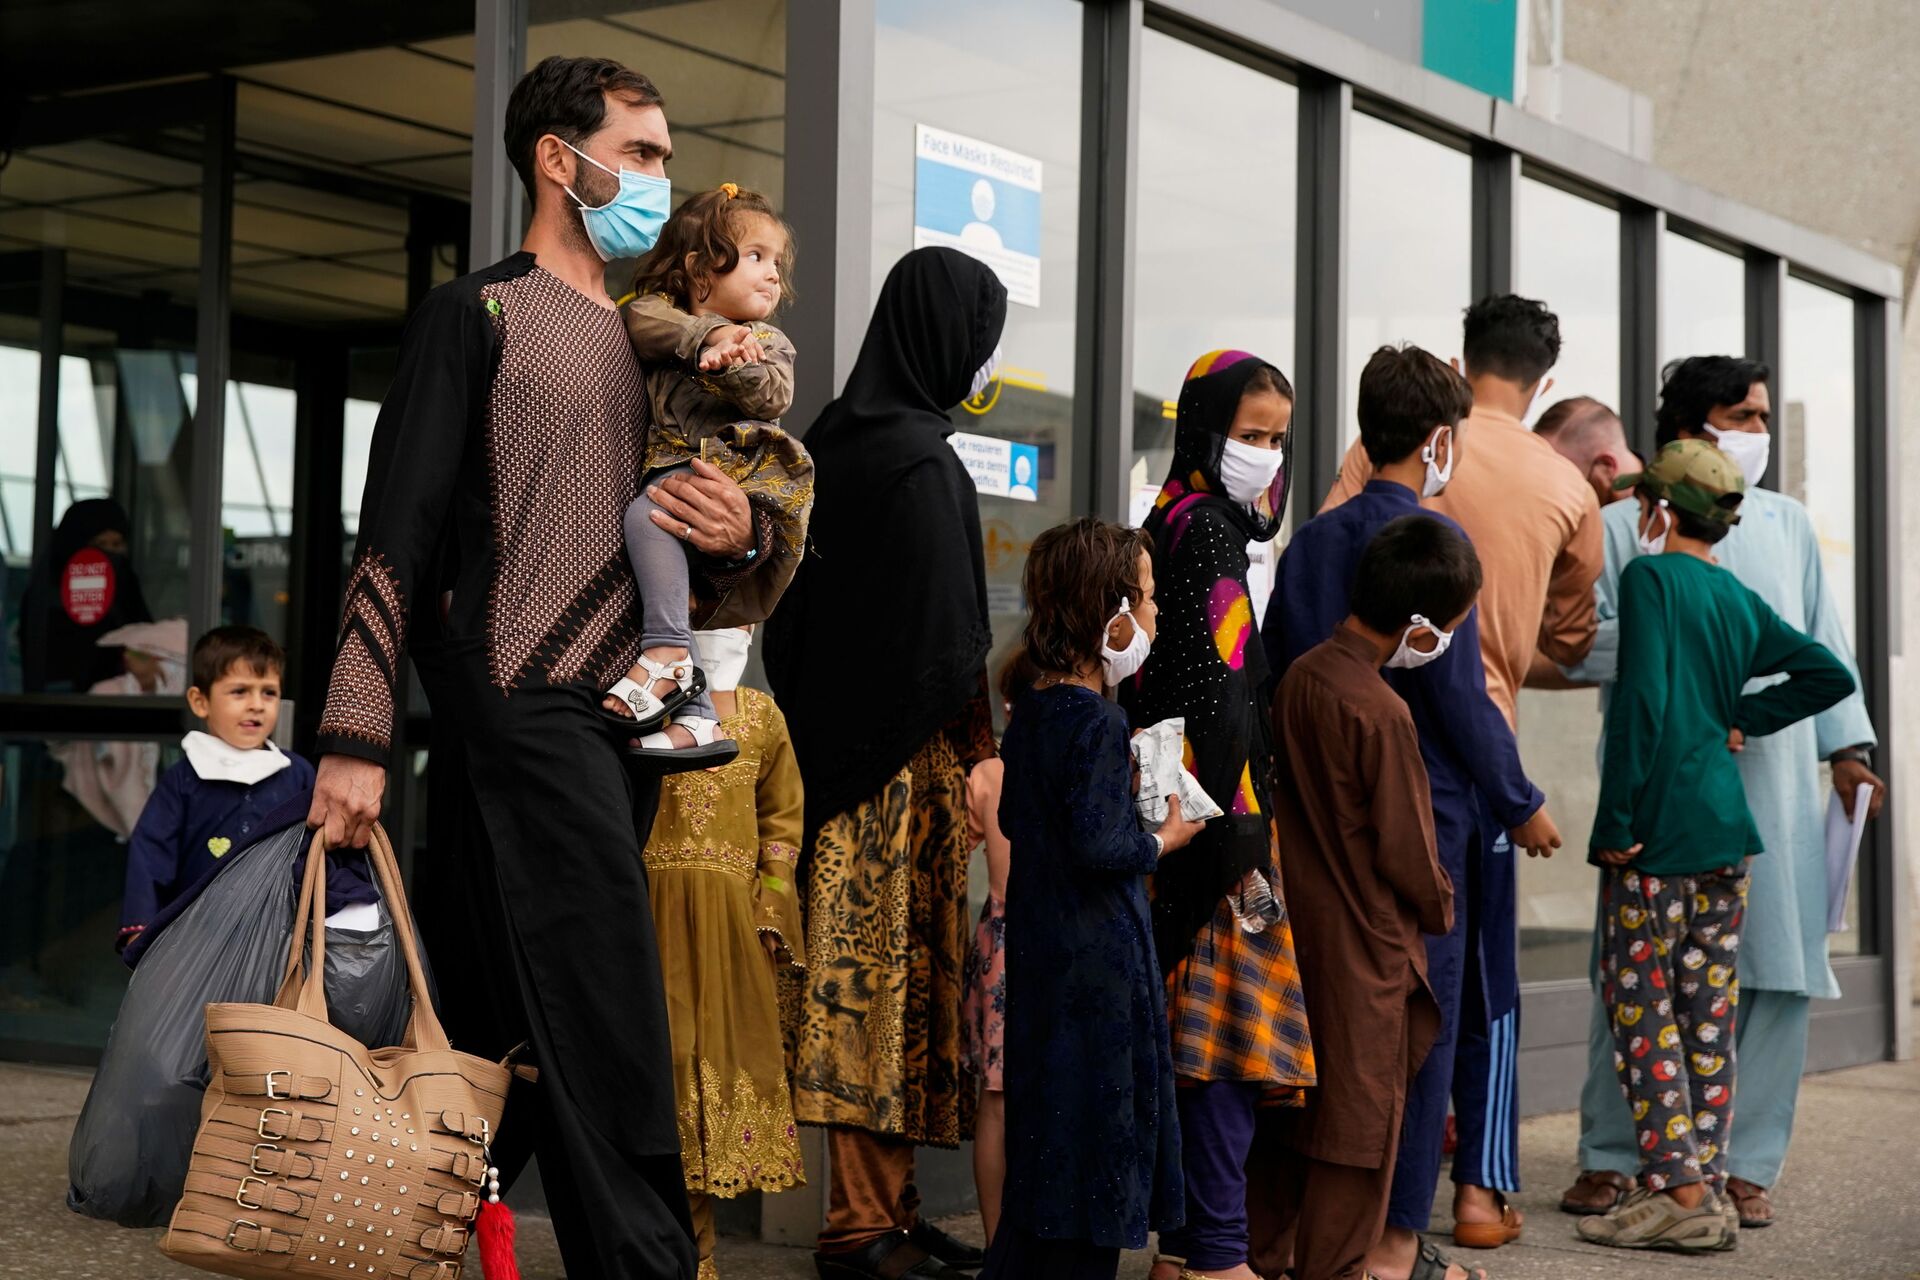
{"points": [[1362, 883]]}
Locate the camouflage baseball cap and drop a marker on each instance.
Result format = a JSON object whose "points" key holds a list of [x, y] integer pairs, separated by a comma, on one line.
{"points": [[1693, 476]]}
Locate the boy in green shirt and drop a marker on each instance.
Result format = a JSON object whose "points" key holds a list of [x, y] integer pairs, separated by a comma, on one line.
{"points": [[1673, 832]]}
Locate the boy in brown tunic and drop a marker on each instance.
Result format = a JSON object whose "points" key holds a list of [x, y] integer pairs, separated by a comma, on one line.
{"points": [[1362, 883]]}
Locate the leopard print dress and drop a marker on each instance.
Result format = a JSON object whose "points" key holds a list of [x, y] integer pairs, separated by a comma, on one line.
{"points": [[879, 1040]]}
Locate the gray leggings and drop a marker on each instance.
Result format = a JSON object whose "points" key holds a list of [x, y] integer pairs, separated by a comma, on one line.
{"points": [[659, 561]]}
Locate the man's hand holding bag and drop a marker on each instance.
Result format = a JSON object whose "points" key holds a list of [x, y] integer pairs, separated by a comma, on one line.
{"points": [[317, 1156]]}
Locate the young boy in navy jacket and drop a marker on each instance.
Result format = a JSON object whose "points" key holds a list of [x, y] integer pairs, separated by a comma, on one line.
{"points": [[1411, 406], [211, 802]]}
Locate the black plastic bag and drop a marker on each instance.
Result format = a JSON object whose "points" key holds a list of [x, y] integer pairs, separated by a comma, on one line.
{"points": [[127, 1162]]}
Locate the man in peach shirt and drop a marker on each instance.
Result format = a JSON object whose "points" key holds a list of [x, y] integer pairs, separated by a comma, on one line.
{"points": [[1535, 523]]}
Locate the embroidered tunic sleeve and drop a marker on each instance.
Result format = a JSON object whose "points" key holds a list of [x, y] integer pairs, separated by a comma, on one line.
{"points": [[777, 802], [418, 444]]}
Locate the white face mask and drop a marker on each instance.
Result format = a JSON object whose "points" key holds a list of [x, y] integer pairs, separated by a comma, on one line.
{"points": [[1748, 449], [1408, 657], [1118, 664], [1437, 476], [983, 376], [723, 656], [1247, 471], [1654, 545]]}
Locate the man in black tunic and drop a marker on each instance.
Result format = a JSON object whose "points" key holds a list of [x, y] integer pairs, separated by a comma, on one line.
{"points": [[490, 548]]}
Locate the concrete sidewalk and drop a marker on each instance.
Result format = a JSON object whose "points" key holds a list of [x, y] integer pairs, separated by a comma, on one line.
{"points": [[1849, 1204]]}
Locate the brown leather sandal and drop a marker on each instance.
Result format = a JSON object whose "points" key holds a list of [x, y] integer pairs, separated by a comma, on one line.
{"points": [[1489, 1235], [1755, 1205], [1596, 1191]]}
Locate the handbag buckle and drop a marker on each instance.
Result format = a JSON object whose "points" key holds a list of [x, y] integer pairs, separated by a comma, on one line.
{"points": [[235, 1230], [240, 1196], [279, 1097], [261, 1129], [254, 1163]]}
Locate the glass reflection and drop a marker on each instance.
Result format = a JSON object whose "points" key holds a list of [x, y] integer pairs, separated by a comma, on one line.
{"points": [[1409, 254], [1020, 94], [1569, 257], [66, 810], [1703, 299], [1216, 170]]}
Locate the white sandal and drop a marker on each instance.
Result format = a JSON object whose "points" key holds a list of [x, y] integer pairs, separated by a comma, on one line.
{"points": [[709, 750], [650, 711]]}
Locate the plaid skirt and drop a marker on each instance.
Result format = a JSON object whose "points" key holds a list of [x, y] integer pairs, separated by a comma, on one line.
{"points": [[1235, 1008]]}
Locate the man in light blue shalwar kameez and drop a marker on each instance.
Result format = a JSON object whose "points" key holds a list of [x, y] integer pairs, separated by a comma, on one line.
{"points": [[1783, 949]]}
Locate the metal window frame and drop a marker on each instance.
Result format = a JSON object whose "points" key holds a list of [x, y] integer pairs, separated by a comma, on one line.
{"points": [[1337, 74]]}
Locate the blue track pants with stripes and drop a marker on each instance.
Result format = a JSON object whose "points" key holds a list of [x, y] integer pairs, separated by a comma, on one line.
{"points": [[1475, 976]]}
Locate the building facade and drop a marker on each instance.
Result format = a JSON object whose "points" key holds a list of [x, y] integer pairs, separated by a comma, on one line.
{"points": [[212, 231]]}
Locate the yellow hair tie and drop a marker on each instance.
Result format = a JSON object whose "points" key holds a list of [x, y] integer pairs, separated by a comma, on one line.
{"points": [[730, 189]]}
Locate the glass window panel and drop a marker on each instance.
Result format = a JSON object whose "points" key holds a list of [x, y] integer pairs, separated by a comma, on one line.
{"points": [[1409, 254], [1703, 299], [1569, 258], [63, 866], [1814, 428], [1019, 92], [1814, 443], [720, 64], [120, 418], [1216, 170]]}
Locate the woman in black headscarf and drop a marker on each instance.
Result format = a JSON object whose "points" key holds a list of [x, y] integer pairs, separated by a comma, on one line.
{"points": [[82, 587], [877, 654], [1238, 1020]]}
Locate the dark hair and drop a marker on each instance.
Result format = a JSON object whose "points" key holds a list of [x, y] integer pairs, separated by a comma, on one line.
{"points": [[1404, 394], [224, 648], [1413, 565], [1697, 527], [1017, 675], [1268, 378], [701, 242], [1693, 387], [1510, 337], [567, 97], [1075, 577]]}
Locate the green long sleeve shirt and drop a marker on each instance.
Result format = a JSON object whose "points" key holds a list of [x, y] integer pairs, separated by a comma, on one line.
{"points": [[1691, 637]]}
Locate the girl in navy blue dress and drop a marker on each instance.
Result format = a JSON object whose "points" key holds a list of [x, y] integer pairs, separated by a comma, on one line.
{"points": [[1093, 1144]]}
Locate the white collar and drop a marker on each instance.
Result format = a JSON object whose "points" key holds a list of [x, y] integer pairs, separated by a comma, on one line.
{"points": [[217, 761]]}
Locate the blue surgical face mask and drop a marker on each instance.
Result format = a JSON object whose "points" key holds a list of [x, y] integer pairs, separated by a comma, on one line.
{"points": [[627, 225]]}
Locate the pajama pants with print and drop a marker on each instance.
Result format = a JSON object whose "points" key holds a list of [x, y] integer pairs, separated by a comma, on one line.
{"points": [[1668, 976]]}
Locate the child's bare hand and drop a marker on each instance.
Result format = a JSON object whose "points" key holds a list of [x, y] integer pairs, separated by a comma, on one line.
{"points": [[729, 345], [1537, 835], [1736, 741], [1618, 857], [1176, 832]]}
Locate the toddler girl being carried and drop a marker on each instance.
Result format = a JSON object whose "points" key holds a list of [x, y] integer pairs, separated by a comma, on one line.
{"points": [[717, 378]]}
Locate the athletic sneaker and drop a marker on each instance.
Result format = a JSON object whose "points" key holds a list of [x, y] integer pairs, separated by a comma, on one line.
{"points": [[1730, 1210], [1650, 1220]]}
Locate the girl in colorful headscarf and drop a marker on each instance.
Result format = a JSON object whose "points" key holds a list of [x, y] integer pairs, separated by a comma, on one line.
{"points": [[1239, 1026]]}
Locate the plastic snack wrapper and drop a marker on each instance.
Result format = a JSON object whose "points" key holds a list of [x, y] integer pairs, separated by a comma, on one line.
{"points": [[1156, 753], [127, 1161]]}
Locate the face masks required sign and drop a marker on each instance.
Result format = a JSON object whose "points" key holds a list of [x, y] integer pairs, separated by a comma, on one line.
{"points": [[983, 200], [1000, 468]]}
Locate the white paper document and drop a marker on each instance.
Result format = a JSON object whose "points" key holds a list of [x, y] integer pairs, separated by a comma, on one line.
{"points": [[1156, 752], [1843, 850]]}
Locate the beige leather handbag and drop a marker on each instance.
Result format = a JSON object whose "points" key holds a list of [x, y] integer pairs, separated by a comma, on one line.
{"points": [[318, 1156]]}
